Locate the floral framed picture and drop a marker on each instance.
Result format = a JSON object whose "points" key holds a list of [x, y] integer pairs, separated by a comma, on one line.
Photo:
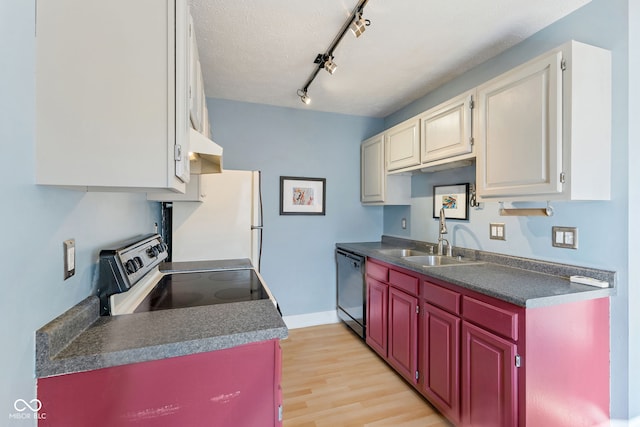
{"points": [[454, 200], [302, 196]]}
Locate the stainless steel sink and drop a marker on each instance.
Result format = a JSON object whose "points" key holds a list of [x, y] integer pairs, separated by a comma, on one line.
{"points": [[439, 260], [398, 252]]}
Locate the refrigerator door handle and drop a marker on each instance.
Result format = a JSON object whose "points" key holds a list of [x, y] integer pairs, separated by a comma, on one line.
{"points": [[257, 227]]}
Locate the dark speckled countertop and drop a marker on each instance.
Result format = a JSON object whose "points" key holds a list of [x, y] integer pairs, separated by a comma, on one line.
{"points": [[521, 281], [81, 340]]}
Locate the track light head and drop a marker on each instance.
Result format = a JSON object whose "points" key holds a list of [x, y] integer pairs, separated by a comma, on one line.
{"points": [[358, 25], [329, 65], [304, 96]]}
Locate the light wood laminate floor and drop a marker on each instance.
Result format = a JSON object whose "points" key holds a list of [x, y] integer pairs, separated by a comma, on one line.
{"points": [[331, 378]]}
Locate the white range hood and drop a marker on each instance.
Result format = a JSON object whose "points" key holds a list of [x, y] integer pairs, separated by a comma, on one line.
{"points": [[205, 155]]}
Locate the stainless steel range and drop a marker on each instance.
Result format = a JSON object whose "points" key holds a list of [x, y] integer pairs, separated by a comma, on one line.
{"points": [[131, 280]]}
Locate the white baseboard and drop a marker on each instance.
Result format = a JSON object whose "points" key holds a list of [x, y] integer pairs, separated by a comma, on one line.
{"points": [[311, 319], [635, 422]]}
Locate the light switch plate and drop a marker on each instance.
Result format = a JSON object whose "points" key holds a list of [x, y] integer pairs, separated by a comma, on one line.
{"points": [[564, 237], [497, 231], [69, 258]]}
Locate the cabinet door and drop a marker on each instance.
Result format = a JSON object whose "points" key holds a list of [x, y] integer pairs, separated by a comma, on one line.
{"points": [[403, 334], [181, 79], [489, 379], [372, 173], [377, 317], [440, 360], [445, 130], [195, 79], [130, 133], [403, 145], [519, 148]]}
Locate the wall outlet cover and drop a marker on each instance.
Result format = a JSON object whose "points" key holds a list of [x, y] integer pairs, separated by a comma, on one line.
{"points": [[69, 258], [497, 231], [564, 237]]}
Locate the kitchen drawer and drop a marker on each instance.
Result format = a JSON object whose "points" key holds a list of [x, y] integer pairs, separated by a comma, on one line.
{"points": [[404, 281], [377, 271], [500, 321], [441, 297]]}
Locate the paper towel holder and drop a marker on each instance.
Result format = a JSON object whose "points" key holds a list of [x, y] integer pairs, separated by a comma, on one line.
{"points": [[548, 211]]}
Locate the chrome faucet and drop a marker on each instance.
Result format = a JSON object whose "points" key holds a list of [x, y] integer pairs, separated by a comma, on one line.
{"points": [[441, 240]]}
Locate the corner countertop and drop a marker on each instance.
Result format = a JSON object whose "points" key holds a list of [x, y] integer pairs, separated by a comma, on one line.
{"points": [[524, 282], [82, 340]]}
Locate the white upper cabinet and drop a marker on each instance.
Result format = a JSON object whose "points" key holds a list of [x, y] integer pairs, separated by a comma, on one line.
{"points": [[196, 87], [372, 173], [545, 128], [376, 187], [403, 145], [446, 130], [112, 108]]}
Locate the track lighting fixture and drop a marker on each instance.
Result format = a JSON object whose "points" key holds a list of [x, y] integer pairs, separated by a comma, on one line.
{"points": [[330, 66], [304, 97], [357, 24], [326, 61]]}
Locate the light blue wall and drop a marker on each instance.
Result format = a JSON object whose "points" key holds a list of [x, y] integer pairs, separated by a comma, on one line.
{"points": [[604, 227], [37, 219], [298, 262], [634, 206]]}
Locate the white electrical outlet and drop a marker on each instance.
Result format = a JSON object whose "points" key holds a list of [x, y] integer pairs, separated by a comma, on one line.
{"points": [[69, 258], [564, 237], [497, 231]]}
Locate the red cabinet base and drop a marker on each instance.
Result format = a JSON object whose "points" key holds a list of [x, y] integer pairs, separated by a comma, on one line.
{"points": [[232, 387], [486, 362]]}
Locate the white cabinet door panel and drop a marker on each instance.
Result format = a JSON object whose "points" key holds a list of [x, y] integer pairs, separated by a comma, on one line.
{"points": [[520, 131], [372, 184], [446, 129], [403, 145]]}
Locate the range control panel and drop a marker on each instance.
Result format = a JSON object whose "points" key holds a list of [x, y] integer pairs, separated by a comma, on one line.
{"points": [[140, 258], [123, 267]]}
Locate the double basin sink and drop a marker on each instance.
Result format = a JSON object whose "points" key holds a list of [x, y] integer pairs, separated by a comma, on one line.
{"points": [[427, 260]]}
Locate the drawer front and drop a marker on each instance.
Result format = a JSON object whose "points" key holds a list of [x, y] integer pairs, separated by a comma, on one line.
{"points": [[404, 281], [495, 319], [441, 297], [377, 271]]}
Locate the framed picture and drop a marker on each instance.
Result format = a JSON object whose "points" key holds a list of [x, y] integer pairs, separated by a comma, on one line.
{"points": [[454, 200], [302, 196]]}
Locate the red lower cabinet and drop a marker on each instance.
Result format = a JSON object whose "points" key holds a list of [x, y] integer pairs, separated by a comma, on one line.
{"points": [[440, 338], [484, 362], [403, 334], [224, 388], [489, 379], [392, 318], [377, 316]]}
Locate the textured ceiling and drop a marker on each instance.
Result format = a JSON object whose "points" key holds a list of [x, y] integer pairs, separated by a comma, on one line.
{"points": [[263, 51]]}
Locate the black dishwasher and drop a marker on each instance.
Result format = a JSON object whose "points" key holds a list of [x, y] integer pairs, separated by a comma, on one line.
{"points": [[351, 298]]}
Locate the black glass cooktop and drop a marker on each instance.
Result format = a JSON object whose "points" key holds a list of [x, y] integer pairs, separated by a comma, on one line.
{"points": [[183, 290]]}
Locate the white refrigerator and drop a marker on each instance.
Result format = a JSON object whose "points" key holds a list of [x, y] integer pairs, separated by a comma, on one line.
{"points": [[226, 225]]}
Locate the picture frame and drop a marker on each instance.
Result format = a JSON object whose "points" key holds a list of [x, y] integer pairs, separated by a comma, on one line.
{"points": [[453, 198], [302, 196]]}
